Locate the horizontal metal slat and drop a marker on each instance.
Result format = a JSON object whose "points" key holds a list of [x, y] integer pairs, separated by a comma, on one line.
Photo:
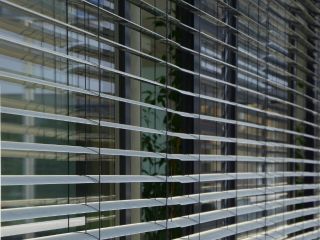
{"points": [[41, 226]]}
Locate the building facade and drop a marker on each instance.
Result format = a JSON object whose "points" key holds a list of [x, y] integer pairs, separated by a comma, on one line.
{"points": [[160, 119]]}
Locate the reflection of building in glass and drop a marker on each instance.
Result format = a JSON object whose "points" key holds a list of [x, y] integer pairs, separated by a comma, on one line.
{"points": [[160, 119]]}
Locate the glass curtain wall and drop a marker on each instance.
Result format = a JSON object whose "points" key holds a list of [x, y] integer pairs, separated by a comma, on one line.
{"points": [[148, 119]]}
